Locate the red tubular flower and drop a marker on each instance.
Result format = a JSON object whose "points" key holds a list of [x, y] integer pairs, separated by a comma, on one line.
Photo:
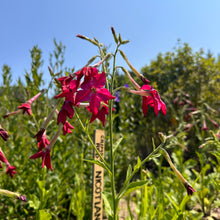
{"points": [[39, 134], [205, 128], [69, 87], [3, 158], [3, 134], [103, 111], [150, 96], [213, 122], [67, 110], [189, 189], [43, 142], [11, 170], [66, 128], [154, 101], [26, 107], [93, 91], [46, 159], [87, 72]]}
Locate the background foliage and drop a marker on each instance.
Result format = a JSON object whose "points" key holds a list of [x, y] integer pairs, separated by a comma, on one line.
{"points": [[188, 83]]}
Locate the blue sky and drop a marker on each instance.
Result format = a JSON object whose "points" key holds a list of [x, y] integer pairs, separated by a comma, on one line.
{"points": [[151, 26]]}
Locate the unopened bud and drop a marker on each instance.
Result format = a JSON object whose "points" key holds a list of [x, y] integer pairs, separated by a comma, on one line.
{"points": [[114, 35]]}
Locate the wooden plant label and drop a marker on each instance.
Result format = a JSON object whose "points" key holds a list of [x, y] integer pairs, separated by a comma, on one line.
{"points": [[98, 176]]}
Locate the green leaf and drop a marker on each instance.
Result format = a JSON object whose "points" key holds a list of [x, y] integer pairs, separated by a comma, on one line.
{"points": [[137, 166], [108, 202], [101, 164], [172, 203], [116, 144], [34, 202], [129, 170], [132, 187], [43, 215]]}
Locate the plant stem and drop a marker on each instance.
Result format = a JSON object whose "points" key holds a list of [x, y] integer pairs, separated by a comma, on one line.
{"points": [[90, 139], [142, 163], [111, 138]]}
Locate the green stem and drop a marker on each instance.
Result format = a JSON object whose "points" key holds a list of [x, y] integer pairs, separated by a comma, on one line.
{"points": [[90, 139], [111, 140], [135, 171]]}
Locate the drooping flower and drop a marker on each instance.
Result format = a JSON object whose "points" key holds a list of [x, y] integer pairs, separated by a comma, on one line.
{"points": [[44, 126], [102, 112], [13, 195], [11, 170], [204, 127], [213, 122], [66, 128], [153, 101], [93, 91], [45, 153], [66, 110], [43, 142], [189, 188], [25, 107], [3, 158], [3, 134], [150, 96], [46, 159]]}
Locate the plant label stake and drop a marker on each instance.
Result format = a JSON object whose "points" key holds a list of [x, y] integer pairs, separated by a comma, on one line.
{"points": [[98, 176]]}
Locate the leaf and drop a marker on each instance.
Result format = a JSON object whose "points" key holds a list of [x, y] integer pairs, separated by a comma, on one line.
{"points": [[108, 202], [34, 202], [172, 203], [116, 144], [101, 164], [137, 166], [128, 172], [43, 215], [132, 187]]}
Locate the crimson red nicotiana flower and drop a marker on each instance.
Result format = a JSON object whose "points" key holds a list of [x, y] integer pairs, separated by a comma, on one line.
{"points": [[3, 158], [189, 189], [87, 72], [153, 101], [11, 170], [43, 142], [150, 96], [45, 153], [204, 127], [3, 134], [66, 110], [46, 159], [93, 91], [69, 87], [25, 107], [66, 127], [103, 111]]}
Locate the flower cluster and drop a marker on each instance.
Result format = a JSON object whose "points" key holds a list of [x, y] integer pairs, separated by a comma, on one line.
{"points": [[90, 90], [85, 88]]}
